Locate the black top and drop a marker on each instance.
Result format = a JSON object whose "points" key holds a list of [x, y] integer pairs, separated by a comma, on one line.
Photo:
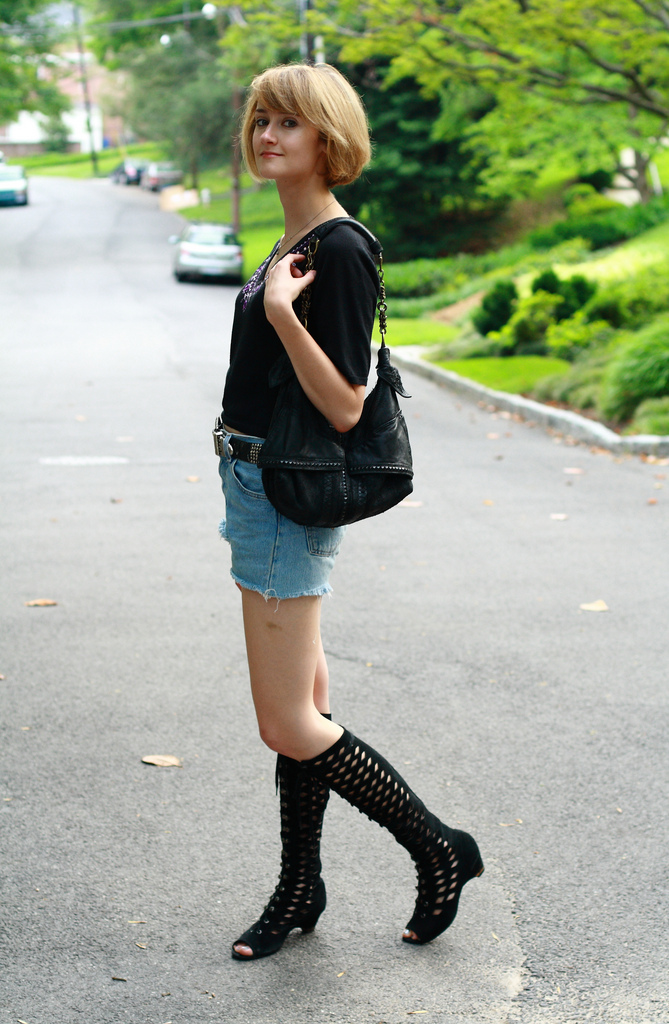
{"points": [[341, 317]]}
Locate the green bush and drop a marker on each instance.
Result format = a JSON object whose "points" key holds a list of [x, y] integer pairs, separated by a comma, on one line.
{"points": [[651, 417], [640, 370], [496, 308], [603, 229], [573, 335], [574, 291], [580, 386], [525, 333], [634, 302], [583, 200]]}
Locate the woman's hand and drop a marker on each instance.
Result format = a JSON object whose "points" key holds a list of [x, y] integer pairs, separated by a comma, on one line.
{"points": [[284, 283], [324, 385]]}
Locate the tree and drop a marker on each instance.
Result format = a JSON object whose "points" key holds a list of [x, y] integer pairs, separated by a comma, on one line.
{"points": [[27, 67], [573, 73], [178, 95], [421, 192]]}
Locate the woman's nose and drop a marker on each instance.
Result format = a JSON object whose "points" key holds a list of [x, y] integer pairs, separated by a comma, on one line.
{"points": [[268, 135]]}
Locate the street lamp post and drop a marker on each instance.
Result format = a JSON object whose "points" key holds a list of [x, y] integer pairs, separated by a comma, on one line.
{"points": [[84, 85]]}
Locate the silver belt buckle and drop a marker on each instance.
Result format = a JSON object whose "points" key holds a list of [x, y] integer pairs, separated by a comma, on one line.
{"points": [[218, 434]]}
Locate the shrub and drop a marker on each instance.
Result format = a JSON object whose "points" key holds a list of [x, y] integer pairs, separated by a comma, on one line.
{"points": [[580, 386], [574, 291], [634, 302], [651, 417], [639, 371], [525, 332], [603, 229], [496, 308], [575, 334]]}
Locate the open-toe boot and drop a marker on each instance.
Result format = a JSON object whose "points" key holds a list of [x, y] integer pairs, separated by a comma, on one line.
{"points": [[446, 859], [299, 898]]}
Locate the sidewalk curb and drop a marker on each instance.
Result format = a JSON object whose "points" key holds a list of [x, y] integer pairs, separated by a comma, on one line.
{"points": [[571, 424]]}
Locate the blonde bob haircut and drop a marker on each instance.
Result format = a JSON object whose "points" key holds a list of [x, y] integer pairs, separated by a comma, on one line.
{"points": [[324, 98]]}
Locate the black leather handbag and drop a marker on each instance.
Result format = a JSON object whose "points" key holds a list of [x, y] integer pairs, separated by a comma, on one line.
{"points": [[318, 477]]}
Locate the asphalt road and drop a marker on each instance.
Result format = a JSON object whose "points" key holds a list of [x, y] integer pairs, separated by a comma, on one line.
{"points": [[457, 647]]}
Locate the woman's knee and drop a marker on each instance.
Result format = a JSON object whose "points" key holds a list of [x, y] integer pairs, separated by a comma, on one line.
{"points": [[289, 738]]}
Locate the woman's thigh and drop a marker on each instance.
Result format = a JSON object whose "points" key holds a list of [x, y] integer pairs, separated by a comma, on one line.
{"points": [[283, 647]]}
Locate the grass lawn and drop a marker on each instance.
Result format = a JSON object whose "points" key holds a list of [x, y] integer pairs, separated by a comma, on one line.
{"points": [[403, 331], [78, 165], [515, 374]]}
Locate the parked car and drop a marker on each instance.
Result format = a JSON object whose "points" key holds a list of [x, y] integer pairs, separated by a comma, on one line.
{"points": [[13, 185], [207, 250], [129, 171], [157, 176]]}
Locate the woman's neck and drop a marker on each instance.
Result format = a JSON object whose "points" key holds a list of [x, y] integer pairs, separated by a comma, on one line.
{"points": [[305, 208]]}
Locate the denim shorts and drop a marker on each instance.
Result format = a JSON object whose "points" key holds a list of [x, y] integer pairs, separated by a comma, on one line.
{"points": [[272, 554]]}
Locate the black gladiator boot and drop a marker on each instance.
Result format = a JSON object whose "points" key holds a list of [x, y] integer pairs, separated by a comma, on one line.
{"points": [[299, 898], [446, 859]]}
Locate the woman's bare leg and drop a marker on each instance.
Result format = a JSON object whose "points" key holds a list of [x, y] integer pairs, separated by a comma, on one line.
{"points": [[288, 674]]}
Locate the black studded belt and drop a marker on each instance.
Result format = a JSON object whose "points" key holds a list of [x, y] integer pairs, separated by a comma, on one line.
{"points": [[237, 448]]}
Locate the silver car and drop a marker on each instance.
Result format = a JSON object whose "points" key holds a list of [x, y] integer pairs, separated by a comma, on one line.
{"points": [[156, 176], [207, 250]]}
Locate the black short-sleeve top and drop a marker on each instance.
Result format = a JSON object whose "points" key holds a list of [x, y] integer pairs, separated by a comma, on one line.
{"points": [[341, 317]]}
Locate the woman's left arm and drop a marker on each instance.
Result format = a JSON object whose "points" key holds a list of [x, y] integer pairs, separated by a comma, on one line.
{"points": [[324, 385]]}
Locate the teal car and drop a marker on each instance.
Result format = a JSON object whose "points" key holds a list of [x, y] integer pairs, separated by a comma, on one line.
{"points": [[13, 185]]}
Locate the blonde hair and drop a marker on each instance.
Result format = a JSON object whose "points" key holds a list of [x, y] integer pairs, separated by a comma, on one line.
{"points": [[325, 99]]}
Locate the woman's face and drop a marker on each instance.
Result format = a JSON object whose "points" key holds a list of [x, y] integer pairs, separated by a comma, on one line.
{"points": [[286, 147]]}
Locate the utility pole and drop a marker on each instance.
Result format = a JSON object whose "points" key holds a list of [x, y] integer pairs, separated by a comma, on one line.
{"points": [[84, 85]]}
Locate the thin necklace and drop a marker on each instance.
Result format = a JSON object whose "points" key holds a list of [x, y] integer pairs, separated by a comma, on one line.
{"points": [[285, 243]]}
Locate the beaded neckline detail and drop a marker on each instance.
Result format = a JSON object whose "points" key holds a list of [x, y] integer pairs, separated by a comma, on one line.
{"points": [[255, 283]]}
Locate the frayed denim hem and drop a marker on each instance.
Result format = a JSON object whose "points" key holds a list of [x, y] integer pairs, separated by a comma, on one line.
{"points": [[271, 595]]}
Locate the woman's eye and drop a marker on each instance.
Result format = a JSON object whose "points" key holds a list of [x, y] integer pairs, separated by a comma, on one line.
{"points": [[290, 122], [261, 122]]}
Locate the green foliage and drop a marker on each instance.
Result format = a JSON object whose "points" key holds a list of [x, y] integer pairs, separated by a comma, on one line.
{"points": [[580, 385], [420, 191], [589, 79], [639, 370], [27, 38], [651, 417], [573, 291], [55, 134], [497, 307], [603, 229], [525, 332], [569, 337], [178, 96], [634, 301]]}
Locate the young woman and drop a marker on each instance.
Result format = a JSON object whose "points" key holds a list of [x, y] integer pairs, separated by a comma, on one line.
{"points": [[305, 128]]}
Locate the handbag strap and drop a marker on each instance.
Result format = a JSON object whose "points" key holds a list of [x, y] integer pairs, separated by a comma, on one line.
{"points": [[375, 246]]}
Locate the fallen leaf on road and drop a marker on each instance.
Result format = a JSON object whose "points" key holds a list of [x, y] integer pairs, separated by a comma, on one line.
{"points": [[136, 922], [342, 974], [573, 471], [80, 419], [193, 479], [595, 606], [491, 437], [652, 501], [141, 945], [487, 501], [40, 602], [409, 1012], [559, 515], [495, 936], [411, 504], [118, 979], [163, 760], [116, 501]]}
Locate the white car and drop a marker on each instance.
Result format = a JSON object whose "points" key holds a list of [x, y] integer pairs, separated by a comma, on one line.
{"points": [[13, 185], [207, 250]]}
